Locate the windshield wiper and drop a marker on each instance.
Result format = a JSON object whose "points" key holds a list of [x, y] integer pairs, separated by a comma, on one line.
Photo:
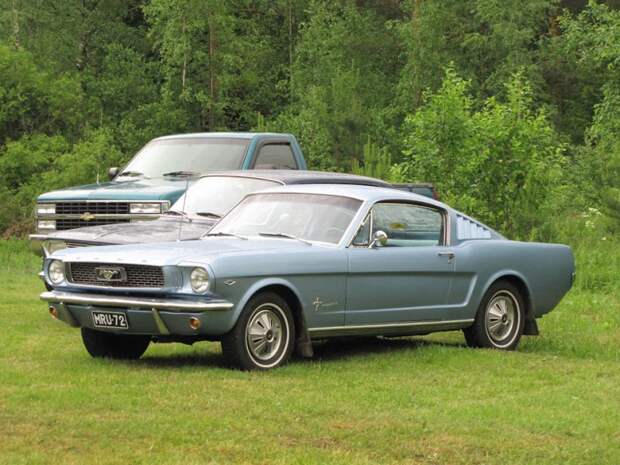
{"points": [[178, 213], [208, 214], [132, 174], [221, 233], [284, 235], [181, 173]]}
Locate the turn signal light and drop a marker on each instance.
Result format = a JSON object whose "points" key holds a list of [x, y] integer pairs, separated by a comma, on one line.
{"points": [[53, 312]]}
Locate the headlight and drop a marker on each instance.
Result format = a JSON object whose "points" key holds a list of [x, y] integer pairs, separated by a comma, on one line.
{"points": [[46, 208], [52, 246], [199, 279], [56, 272], [148, 208], [43, 225]]}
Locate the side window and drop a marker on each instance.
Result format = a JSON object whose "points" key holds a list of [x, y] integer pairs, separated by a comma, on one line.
{"points": [[408, 225], [275, 156]]}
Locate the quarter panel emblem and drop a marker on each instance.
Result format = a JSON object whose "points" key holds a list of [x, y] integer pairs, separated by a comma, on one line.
{"points": [[87, 216], [111, 274]]}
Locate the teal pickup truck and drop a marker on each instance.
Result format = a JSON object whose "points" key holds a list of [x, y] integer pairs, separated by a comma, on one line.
{"points": [[157, 176]]}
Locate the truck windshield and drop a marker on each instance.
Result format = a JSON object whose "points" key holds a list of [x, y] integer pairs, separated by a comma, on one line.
{"points": [[214, 196], [306, 217], [187, 155]]}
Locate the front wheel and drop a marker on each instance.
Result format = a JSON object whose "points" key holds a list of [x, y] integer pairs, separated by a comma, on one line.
{"points": [[264, 335], [120, 346], [500, 319]]}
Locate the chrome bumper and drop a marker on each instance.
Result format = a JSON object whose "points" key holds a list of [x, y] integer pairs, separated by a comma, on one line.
{"points": [[133, 302]]}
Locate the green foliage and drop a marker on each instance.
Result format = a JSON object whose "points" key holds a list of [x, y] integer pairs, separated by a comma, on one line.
{"points": [[524, 125], [376, 163], [500, 162]]}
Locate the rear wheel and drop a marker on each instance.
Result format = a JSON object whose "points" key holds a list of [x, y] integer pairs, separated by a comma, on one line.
{"points": [[119, 346], [499, 320], [264, 335]]}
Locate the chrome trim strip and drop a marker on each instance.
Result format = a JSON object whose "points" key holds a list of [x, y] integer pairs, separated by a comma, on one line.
{"points": [[393, 325], [133, 302]]}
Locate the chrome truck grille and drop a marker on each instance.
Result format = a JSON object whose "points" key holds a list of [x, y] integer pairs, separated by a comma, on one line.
{"points": [[115, 275], [64, 215], [94, 208]]}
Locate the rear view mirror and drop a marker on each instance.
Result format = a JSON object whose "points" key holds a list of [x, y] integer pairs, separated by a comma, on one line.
{"points": [[112, 172], [379, 239]]}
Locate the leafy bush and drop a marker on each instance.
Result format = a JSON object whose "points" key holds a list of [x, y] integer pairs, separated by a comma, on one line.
{"points": [[500, 162]]}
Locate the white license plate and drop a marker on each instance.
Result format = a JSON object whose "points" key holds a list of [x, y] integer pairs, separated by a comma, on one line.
{"points": [[110, 320]]}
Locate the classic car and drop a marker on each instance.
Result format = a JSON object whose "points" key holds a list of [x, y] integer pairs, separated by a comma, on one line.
{"points": [[293, 264], [205, 202], [158, 175]]}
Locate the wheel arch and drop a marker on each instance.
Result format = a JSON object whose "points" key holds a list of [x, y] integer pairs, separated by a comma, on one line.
{"points": [[520, 282], [292, 296]]}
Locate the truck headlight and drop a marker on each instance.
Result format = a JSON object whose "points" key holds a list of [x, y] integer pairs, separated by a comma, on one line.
{"points": [[199, 280], [46, 225], [46, 208], [145, 208], [56, 272]]}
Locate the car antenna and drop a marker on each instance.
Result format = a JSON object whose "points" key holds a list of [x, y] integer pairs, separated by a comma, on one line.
{"points": [[183, 216]]}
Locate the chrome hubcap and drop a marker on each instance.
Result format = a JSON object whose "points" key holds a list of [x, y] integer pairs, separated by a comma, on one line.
{"points": [[501, 317], [264, 333]]}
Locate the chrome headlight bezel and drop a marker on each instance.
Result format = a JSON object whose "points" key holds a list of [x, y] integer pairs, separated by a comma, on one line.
{"points": [[46, 209], [56, 272], [199, 280], [145, 208]]}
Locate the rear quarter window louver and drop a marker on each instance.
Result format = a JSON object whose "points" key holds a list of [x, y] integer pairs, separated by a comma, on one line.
{"points": [[468, 229]]}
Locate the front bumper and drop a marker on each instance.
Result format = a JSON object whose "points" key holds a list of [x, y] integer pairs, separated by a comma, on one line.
{"points": [[153, 316]]}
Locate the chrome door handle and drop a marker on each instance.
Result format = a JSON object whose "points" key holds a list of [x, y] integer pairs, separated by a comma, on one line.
{"points": [[450, 255]]}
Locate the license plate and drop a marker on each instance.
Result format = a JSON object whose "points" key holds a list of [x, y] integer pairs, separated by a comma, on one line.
{"points": [[110, 320]]}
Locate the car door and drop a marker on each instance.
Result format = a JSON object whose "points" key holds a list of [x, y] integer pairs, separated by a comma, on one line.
{"points": [[408, 278]]}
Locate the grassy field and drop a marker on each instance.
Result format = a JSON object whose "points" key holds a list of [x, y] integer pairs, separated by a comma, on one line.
{"points": [[426, 400]]}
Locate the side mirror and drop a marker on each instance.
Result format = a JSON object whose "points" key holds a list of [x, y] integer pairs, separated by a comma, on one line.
{"points": [[379, 239], [112, 172]]}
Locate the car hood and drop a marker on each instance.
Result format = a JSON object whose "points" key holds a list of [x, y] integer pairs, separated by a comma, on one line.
{"points": [[167, 229], [174, 253], [135, 189]]}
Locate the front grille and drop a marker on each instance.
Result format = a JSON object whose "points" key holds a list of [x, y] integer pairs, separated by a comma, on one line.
{"points": [[72, 223], [147, 276], [94, 208]]}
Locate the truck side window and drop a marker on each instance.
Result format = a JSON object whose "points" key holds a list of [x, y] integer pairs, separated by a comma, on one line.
{"points": [[275, 156]]}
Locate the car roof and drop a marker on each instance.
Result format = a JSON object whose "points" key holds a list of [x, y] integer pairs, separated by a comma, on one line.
{"points": [[227, 135], [303, 177], [360, 192]]}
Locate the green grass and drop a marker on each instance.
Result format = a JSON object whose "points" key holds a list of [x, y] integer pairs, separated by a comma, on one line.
{"points": [[403, 401]]}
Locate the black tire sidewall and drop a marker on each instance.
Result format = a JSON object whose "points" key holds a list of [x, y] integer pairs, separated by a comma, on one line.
{"points": [[478, 336]]}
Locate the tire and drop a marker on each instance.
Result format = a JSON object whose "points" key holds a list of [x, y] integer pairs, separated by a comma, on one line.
{"points": [[125, 347], [500, 319], [264, 335]]}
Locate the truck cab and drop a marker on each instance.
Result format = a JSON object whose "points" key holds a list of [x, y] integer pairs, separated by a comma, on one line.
{"points": [[158, 175]]}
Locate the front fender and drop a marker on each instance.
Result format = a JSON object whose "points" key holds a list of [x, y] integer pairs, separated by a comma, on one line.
{"points": [[256, 287]]}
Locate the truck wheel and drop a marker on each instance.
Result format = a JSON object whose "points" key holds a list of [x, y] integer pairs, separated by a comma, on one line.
{"points": [[263, 337], [499, 320], [119, 346]]}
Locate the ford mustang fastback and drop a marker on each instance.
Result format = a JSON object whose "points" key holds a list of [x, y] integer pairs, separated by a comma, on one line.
{"points": [[298, 263]]}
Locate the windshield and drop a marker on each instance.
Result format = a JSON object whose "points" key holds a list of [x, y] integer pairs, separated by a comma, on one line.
{"points": [[186, 155], [216, 195], [309, 217]]}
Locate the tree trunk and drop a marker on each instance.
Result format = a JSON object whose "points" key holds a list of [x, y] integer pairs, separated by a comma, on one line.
{"points": [[212, 73]]}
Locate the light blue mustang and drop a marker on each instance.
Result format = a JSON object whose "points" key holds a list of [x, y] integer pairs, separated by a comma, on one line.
{"points": [[297, 263]]}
